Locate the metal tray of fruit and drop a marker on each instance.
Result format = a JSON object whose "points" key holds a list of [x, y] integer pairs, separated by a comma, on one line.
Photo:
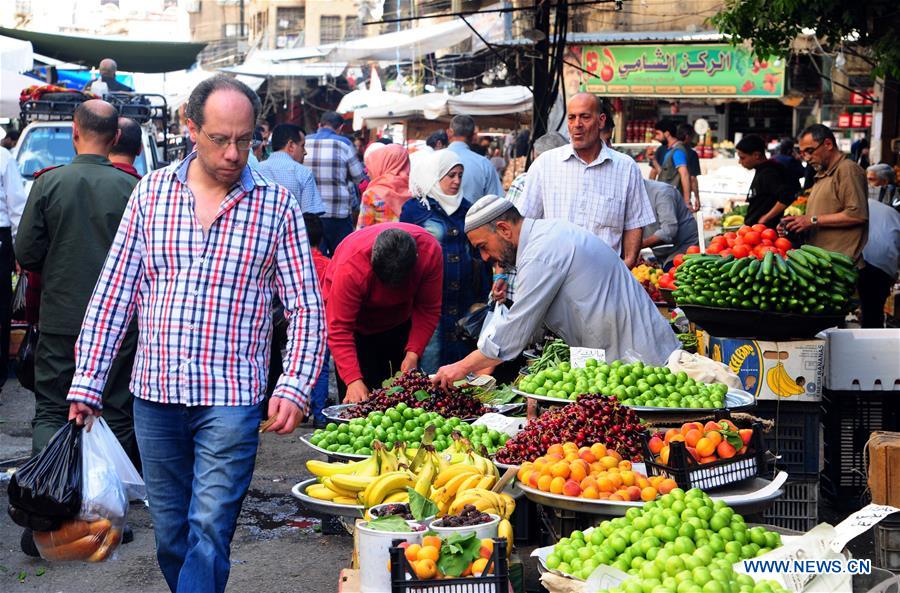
{"points": [[505, 466], [333, 413], [735, 400], [352, 511], [759, 325], [333, 454], [617, 508]]}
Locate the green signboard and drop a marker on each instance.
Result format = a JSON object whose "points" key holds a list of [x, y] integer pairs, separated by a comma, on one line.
{"points": [[676, 71]]}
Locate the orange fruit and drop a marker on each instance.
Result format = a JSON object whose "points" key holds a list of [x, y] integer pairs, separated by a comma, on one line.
{"points": [[560, 469], [692, 437], [589, 482], [667, 486], [648, 494], [628, 478], [556, 449], [664, 455], [478, 567], [590, 492], [579, 469], [705, 447], [605, 484], [599, 450], [615, 455], [725, 450], [715, 437], [609, 461], [412, 552], [543, 483], [429, 553], [624, 464], [670, 434], [432, 541], [557, 485], [487, 547], [425, 569], [586, 454], [634, 493]]}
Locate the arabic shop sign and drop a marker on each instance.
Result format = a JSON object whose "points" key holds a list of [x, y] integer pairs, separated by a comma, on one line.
{"points": [[677, 71]]}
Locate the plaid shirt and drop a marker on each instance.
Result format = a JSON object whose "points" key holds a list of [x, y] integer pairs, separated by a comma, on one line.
{"points": [[294, 177], [606, 196], [203, 300], [335, 166]]}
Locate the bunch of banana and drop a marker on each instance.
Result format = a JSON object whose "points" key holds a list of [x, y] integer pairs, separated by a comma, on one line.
{"points": [[504, 529], [474, 473], [391, 485], [486, 501], [345, 483], [733, 220]]}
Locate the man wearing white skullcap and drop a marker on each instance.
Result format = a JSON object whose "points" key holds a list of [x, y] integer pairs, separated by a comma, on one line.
{"points": [[568, 280]]}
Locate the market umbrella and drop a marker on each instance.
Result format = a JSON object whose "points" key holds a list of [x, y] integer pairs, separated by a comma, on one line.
{"points": [[361, 99]]}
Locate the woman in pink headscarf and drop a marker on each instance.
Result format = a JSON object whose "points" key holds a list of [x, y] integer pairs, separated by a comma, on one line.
{"points": [[389, 186]]}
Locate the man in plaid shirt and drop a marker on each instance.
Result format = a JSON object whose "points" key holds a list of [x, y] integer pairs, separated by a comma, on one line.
{"points": [[337, 170], [203, 248], [589, 184]]}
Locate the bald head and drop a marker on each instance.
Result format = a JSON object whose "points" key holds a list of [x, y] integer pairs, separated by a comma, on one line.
{"points": [[108, 68], [96, 119], [584, 100]]}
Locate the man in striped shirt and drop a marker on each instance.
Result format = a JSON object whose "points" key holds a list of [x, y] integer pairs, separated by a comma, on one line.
{"points": [[204, 246]]}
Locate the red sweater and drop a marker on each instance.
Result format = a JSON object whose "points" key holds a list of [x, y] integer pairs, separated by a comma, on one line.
{"points": [[357, 302]]}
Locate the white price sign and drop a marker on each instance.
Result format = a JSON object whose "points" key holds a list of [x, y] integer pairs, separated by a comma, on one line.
{"points": [[579, 356]]}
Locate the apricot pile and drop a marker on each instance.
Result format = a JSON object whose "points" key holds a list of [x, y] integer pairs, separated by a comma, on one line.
{"points": [[594, 472]]}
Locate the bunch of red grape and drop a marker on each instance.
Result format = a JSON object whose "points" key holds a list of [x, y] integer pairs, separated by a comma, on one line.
{"points": [[594, 418], [415, 389]]}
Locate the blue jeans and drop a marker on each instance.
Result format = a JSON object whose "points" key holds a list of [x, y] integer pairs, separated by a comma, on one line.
{"points": [[320, 392], [198, 462], [334, 230]]}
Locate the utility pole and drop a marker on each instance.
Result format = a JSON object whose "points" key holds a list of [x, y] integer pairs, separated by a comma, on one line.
{"points": [[541, 69]]}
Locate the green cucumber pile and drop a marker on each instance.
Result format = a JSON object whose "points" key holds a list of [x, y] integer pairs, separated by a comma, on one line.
{"points": [[810, 281]]}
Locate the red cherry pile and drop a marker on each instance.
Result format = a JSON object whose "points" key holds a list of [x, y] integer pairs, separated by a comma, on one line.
{"points": [[594, 418], [415, 389]]}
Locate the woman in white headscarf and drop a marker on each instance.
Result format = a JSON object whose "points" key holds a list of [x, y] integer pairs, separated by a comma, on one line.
{"points": [[438, 206]]}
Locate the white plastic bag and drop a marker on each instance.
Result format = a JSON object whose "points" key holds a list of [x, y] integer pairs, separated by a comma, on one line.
{"points": [[499, 313], [108, 479]]}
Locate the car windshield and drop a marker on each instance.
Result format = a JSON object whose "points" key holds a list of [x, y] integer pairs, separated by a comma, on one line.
{"points": [[50, 146]]}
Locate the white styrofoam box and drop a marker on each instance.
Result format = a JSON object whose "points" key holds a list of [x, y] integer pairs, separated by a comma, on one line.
{"points": [[863, 360]]}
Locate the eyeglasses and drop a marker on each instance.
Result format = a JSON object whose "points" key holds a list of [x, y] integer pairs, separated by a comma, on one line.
{"points": [[808, 151], [242, 144]]}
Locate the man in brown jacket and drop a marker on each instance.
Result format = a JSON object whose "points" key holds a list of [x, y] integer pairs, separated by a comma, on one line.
{"points": [[837, 213]]}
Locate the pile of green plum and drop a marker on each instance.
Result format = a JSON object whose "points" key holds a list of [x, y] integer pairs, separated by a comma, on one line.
{"points": [[668, 576], [635, 384], [677, 523], [402, 424]]}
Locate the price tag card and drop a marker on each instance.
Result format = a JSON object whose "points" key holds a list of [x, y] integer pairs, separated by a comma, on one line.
{"points": [[579, 356]]}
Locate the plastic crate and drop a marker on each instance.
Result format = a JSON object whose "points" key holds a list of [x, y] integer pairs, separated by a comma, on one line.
{"points": [[798, 507], [863, 360], [689, 473], [887, 543], [850, 418], [403, 579], [796, 439]]}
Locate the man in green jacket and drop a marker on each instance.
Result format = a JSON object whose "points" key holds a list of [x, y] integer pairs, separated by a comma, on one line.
{"points": [[68, 226]]}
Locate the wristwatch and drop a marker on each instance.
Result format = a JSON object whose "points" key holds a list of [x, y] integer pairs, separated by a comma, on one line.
{"points": [[814, 220]]}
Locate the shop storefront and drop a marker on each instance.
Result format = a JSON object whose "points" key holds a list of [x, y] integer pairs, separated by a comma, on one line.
{"points": [[727, 87]]}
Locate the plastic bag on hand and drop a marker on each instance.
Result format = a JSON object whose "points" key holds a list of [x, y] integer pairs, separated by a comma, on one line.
{"points": [[703, 369], [47, 490], [108, 478], [491, 320]]}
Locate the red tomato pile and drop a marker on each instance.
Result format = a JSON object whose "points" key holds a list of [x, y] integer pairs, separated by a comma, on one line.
{"points": [[749, 241]]}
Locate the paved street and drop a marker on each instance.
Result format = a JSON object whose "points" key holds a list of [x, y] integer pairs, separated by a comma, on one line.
{"points": [[277, 547]]}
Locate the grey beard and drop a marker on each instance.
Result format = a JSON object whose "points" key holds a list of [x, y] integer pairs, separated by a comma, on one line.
{"points": [[508, 256]]}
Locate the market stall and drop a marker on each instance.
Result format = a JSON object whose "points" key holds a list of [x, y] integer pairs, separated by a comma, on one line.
{"points": [[633, 476]]}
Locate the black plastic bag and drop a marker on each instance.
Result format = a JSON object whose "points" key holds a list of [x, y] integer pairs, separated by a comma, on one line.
{"points": [[47, 490], [469, 326], [25, 358]]}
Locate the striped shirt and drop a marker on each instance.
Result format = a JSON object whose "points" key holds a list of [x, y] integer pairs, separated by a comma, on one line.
{"points": [[335, 166], [606, 196], [294, 177], [203, 300]]}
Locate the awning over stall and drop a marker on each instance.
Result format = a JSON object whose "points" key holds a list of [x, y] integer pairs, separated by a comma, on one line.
{"points": [[134, 56]]}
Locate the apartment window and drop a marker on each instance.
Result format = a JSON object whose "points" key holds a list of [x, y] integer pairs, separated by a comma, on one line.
{"points": [[330, 29], [289, 26], [231, 30], [352, 28]]}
